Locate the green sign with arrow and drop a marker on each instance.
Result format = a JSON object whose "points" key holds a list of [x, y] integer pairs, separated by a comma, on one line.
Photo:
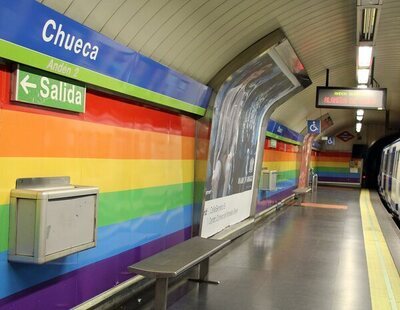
{"points": [[41, 88]]}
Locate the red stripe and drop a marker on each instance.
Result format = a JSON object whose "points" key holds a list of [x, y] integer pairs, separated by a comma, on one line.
{"points": [[107, 109], [335, 154]]}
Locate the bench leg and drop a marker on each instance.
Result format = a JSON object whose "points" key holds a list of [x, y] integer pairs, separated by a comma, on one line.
{"points": [[203, 273], [160, 299]]}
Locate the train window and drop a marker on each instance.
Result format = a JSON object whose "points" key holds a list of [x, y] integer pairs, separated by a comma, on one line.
{"points": [[396, 164], [386, 162], [382, 162], [392, 153]]}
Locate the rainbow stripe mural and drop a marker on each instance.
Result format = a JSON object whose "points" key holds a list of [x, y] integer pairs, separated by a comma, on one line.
{"points": [[142, 160], [335, 167], [285, 158]]}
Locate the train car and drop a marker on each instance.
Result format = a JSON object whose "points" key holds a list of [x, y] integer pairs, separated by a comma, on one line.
{"points": [[389, 177], [381, 178]]}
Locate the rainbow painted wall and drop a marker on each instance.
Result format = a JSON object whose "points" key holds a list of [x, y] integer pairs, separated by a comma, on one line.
{"points": [[335, 167], [143, 161], [285, 158], [314, 159]]}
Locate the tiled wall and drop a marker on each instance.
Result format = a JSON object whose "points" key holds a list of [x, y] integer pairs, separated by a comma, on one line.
{"points": [[143, 161], [285, 159], [336, 167]]}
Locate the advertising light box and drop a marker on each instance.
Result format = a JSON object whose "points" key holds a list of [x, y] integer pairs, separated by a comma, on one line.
{"points": [[351, 98]]}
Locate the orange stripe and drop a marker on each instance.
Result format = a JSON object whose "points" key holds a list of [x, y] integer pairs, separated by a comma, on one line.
{"points": [[324, 206], [32, 135], [279, 156], [341, 159]]}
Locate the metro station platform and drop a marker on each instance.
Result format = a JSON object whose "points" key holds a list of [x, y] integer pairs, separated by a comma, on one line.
{"points": [[339, 250]]}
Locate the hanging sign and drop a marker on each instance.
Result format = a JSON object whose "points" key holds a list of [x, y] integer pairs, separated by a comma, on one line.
{"points": [[45, 89], [353, 98], [314, 126]]}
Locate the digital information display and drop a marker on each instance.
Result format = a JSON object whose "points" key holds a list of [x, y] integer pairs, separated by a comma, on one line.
{"points": [[352, 98]]}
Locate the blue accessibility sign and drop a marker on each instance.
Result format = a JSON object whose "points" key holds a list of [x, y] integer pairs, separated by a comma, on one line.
{"points": [[314, 126], [330, 141]]}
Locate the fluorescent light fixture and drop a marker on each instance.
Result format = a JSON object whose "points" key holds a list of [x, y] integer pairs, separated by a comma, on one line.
{"points": [[362, 76], [360, 112], [359, 118], [362, 86], [364, 56], [358, 127], [380, 109], [369, 18], [369, 2]]}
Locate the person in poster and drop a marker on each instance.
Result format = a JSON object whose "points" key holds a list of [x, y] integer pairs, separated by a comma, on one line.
{"points": [[236, 117]]}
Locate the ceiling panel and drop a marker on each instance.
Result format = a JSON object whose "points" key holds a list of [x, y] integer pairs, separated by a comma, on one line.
{"points": [[199, 37]]}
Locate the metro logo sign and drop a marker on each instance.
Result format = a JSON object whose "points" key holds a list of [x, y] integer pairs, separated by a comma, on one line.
{"points": [[345, 136], [353, 98]]}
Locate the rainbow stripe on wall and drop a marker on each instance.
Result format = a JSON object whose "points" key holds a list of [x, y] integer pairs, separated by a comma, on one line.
{"points": [[335, 167], [141, 159], [285, 159]]}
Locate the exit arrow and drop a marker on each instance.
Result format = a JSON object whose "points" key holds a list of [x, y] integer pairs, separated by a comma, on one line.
{"points": [[25, 84]]}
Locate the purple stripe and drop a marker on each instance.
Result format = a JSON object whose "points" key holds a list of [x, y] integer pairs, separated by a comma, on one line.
{"points": [[73, 288], [343, 180], [270, 201]]}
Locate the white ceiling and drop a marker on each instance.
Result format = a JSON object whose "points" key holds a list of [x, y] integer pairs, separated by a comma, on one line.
{"points": [[198, 37]]}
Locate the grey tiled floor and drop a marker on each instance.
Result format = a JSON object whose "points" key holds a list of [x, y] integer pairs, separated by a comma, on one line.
{"points": [[303, 258]]}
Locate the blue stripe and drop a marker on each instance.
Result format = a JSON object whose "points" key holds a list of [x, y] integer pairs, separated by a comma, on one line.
{"points": [[112, 240], [338, 175], [281, 186], [113, 59], [283, 131]]}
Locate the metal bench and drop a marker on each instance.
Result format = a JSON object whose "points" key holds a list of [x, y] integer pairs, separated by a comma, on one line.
{"points": [[299, 194], [176, 260]]}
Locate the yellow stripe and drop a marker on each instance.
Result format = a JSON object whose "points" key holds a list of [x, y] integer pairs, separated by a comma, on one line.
{"points": [[201, 170], [279, 165], [109, 174], [333, 164], [384, 280]]}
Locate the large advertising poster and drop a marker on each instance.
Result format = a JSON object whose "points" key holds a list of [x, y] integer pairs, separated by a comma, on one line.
{"points": [[239, 110]]}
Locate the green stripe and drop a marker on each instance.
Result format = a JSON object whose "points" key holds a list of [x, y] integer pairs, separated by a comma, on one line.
{"points": [[117, 207], [288, 174], [332, 169], [4, 215], [38, 60], [199, 192], [278, 137]]}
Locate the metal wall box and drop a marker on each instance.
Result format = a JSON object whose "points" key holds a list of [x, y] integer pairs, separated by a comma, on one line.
{"points": [[50, 218], [268, 180]]}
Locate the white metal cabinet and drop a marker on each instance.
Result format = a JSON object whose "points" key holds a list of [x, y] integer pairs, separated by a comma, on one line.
{"points": [[50, 218], [268, 180]]}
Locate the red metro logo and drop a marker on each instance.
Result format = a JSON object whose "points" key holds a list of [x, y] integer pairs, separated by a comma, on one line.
{"points": [[345, 136]]}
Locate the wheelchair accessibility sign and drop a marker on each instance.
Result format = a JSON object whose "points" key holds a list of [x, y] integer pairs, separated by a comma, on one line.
{"points": [[314, 126], [330, 141]]}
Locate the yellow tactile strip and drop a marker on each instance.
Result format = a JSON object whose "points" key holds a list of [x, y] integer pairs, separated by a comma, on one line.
{"points": [[384, 279], [322, 205]]}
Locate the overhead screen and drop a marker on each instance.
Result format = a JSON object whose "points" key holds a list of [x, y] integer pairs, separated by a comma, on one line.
{"points": [[343, 98]]}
